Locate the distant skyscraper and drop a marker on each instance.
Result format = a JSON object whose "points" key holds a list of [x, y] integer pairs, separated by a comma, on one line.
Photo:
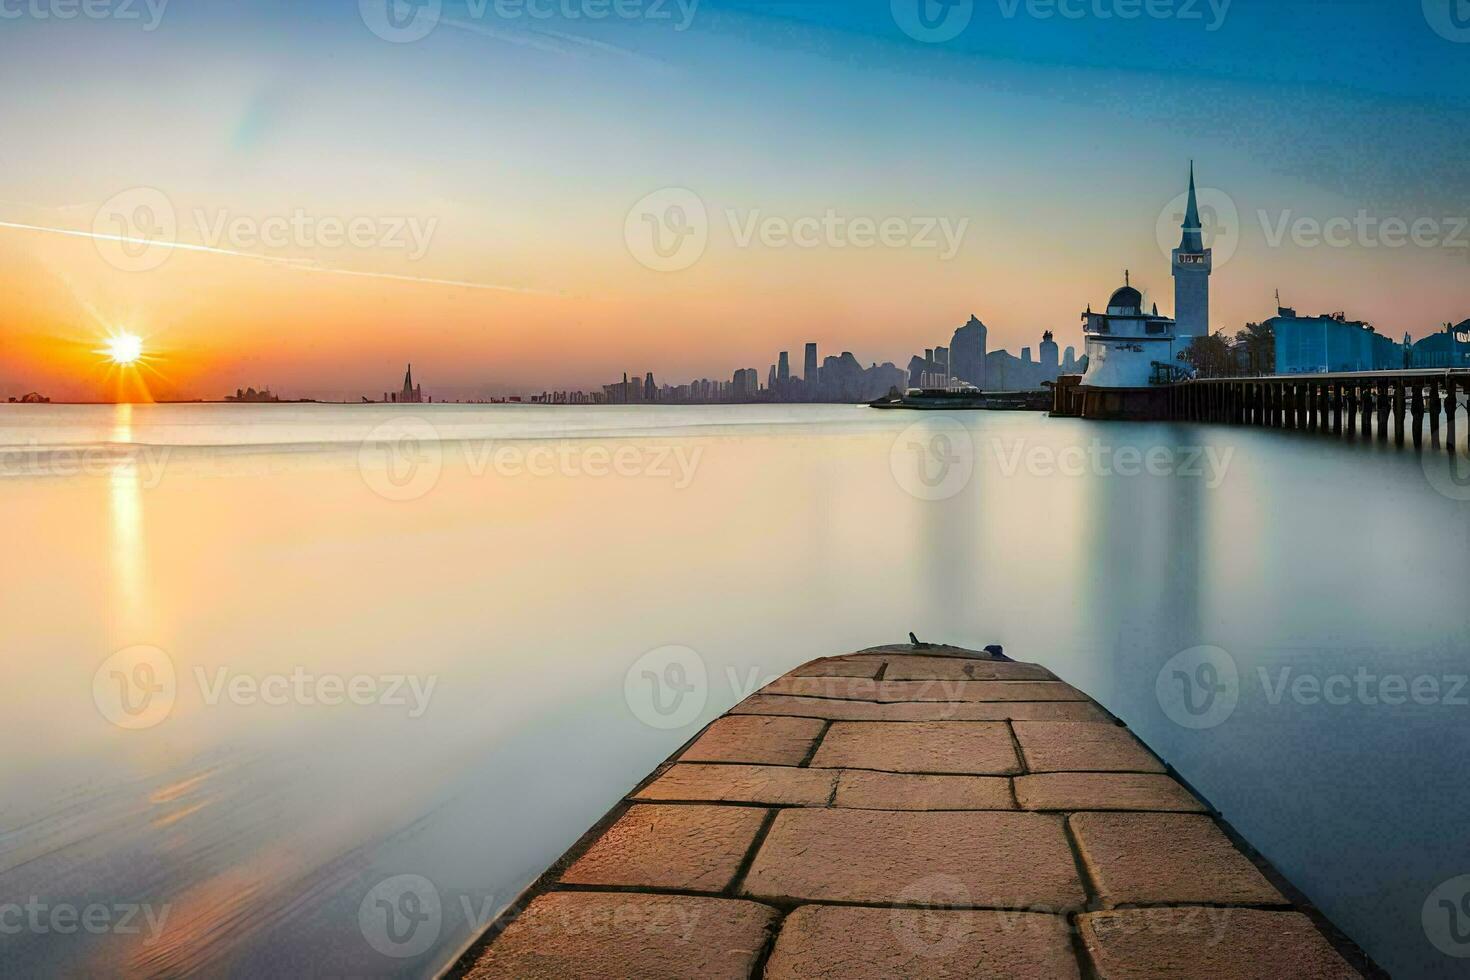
{"points": [[783, 368], [1192, 266], [967, 352], [1050, 362], [650, 390], [410, 394], [810, 367], [771, 378]]}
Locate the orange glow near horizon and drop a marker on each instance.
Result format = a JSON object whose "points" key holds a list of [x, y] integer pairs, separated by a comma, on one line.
{"points": [[126, 364]]}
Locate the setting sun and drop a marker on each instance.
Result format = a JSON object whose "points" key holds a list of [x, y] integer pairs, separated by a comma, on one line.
{"points": [[123, 348]]}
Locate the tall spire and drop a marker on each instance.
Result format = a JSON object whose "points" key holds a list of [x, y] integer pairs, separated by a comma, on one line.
{"points": [[1193, 240]]}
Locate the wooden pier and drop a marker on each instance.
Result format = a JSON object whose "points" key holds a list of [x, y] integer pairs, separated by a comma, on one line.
{"points": [[912, 812], [1366, 405]]}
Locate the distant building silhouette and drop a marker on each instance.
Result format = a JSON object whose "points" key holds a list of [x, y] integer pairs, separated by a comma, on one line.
{"points": [[410, 393], [967, 352], [1448, 348], [810, 366], [1050, 361]]}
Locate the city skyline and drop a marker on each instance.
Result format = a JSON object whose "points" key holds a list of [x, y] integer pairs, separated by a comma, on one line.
{"points": [[506, 265]]}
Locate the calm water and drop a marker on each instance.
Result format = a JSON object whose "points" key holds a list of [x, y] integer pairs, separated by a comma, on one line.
{"points": [[483, 580]]}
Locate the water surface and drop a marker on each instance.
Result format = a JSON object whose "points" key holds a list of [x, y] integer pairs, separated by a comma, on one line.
{"points": [[517, 562]]}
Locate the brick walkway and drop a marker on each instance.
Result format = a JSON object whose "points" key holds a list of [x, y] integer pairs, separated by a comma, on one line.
{"points": [[902, 814]]}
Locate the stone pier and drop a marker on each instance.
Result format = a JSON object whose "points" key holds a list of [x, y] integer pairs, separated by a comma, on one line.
{"points": [[906, 812]]}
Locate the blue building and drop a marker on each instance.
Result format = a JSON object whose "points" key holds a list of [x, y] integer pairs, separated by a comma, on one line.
{"points": [[1448, 348], [1330, 343]]}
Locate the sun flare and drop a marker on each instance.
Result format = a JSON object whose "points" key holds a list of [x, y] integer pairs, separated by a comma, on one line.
{"points": [[123, 348]]}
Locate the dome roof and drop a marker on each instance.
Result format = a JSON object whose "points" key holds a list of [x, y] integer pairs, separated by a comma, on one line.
{"points": [[1126, 299]]}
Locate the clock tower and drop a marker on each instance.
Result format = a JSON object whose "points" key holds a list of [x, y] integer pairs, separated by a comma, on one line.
{"points": [[1192, 265]]}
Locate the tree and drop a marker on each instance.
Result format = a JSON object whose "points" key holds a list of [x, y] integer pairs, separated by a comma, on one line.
{"points": [[1210, 356], [1260, 348]]}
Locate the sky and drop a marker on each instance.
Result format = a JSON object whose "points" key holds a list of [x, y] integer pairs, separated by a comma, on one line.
{"points": [[518, 195]]}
